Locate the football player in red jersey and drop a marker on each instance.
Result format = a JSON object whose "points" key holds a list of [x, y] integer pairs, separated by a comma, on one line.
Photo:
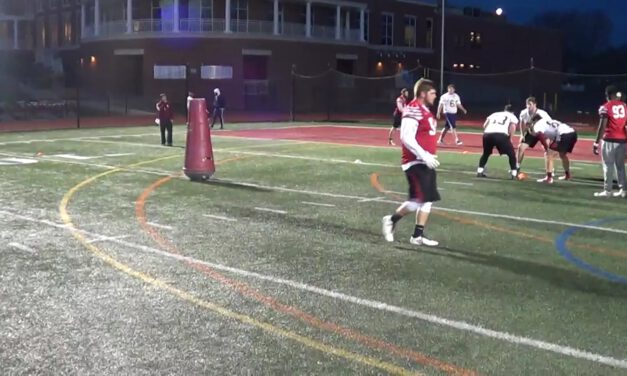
{"points": [[419, 140], [401, 102], [612, 127]]}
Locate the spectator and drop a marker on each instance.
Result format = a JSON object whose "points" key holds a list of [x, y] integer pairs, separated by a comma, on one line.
{"points": [[166, 115], [218, 107]]}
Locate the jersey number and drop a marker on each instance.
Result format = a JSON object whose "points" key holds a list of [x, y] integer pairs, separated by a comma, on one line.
{"points": [[500, 122], [618, 111], [433, 127]]}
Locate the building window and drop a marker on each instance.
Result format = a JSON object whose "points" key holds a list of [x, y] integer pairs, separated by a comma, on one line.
{"points": [[410, 31], [201, 9], [40, 32], [387, 29], [54, 31], [66, 3], [429, 34], [52, 4], [40, 5], [67, 28], [475, 39], [155, 9], [216, 72], [239, 11], [270, 16]]}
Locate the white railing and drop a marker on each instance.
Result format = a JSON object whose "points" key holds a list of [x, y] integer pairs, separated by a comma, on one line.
{"points": [[197, 25], [294, 30]]}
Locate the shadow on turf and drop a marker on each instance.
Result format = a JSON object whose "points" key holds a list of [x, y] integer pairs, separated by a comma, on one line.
{"points": [[563, 278]]}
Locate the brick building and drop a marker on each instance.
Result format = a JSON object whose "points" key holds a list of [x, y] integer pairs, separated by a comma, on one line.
{"points": [[248, 48]]}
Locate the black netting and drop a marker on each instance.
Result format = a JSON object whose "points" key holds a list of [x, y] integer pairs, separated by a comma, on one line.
{"points": [[336, 96]]}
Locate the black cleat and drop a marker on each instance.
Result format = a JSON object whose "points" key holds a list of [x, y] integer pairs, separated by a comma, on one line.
{"points": [[481, 175]]}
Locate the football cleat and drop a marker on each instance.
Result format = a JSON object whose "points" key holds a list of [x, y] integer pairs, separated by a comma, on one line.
{"points": [[546, 180], [603, 194], [459, 142], [621, 193], [421, 240]]}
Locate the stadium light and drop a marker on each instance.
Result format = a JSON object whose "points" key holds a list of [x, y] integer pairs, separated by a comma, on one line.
{"points": [[499, 11]]}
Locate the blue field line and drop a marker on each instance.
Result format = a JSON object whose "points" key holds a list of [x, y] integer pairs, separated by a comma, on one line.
{"points": [[561, 245]]}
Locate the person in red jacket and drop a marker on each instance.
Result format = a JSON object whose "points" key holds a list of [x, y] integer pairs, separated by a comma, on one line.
{"points": [[613, 119], [400, 104], [166, 115]]}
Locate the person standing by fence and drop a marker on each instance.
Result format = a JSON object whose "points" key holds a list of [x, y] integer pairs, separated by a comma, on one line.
{"points": [[218, 107], [400, 104], [166, 115]]}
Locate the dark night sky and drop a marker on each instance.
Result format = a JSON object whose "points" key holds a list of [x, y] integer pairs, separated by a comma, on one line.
{"points": [[522, 11]]}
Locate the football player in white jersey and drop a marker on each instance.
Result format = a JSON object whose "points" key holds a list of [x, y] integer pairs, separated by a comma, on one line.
{"points": [[527, 139], [449, 104], [498, 131], [557, 138]]}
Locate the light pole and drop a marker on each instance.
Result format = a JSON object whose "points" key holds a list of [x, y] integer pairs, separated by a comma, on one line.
{"points": [[442, 49]]}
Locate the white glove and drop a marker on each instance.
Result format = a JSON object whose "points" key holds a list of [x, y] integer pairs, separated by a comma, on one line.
{"points": [[431, 160]]}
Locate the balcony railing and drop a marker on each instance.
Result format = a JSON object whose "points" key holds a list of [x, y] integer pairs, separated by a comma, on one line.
{"points": [[215, 26]]}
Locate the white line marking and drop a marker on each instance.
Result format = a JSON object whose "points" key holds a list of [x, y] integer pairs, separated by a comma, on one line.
{"points": [[317, 204], [22, 247], [374, 199], [76, 138], [107, 238], [118, 154], [271, 210], [160, 226], [220, 217], [16, 161], [73, 156], [373, 304], [457, 183]]}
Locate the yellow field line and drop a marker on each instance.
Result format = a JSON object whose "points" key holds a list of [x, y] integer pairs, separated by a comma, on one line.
{"points": [[185, 296]]}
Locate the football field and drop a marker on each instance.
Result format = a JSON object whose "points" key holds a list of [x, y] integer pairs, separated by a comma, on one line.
{"points": [[113, 262]]}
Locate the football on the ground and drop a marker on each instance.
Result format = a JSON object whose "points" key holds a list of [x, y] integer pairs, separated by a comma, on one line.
{"points": [[522, 176]]}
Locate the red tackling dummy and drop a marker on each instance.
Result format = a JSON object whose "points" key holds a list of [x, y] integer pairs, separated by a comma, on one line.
{"points": [[199, 163]]}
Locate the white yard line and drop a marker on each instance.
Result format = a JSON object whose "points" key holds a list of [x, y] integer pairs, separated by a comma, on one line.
{"points": [[107, 239], [219, 217], [75, 138], [374, 199], [457, 183], [164, 227], [372, 304], [317, 204], [22, 247], [271, 210]]}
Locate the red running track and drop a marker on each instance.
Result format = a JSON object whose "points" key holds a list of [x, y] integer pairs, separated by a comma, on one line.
{"points": [[364, 136]]}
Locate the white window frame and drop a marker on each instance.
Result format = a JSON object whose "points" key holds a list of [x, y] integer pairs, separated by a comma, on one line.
{"points": [[387, 28]]}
